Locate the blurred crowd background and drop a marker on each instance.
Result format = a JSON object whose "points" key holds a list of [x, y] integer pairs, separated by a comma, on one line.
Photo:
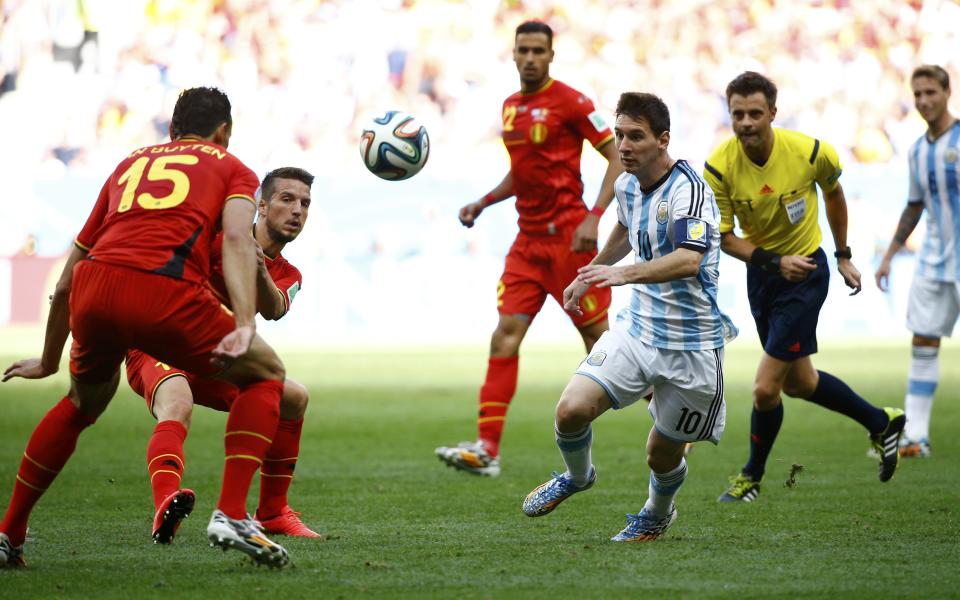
{"points": [[82, 82]]}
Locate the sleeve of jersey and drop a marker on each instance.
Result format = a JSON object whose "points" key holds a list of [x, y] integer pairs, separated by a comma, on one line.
{"points": [[619, 195], [288, 285], [826, 165], [914, 192], [590, 123], [688, 203], [243, 183], [714, 178], [88, 235]]}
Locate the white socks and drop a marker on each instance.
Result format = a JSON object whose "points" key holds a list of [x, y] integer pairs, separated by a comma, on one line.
{"points": [[924, 376], [575, 450], [663, 489]]}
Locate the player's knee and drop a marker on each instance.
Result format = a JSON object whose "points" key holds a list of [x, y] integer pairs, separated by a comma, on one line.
{"points": [[174, 406], [293, 403], [766, 394], [799, 389], [572, 415]]}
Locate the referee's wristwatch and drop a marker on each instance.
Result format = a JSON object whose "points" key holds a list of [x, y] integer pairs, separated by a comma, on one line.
{"points": [[845, 253]]}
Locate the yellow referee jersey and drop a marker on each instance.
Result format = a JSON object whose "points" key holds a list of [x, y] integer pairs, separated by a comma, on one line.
{"points": [[776, 204]]}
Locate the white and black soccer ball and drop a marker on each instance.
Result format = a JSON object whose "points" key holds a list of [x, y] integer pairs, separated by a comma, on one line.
{"points": [[394, 146]]}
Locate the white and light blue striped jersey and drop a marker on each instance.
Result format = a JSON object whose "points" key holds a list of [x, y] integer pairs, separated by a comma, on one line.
{"points": [[679, 211], [934, 169]]}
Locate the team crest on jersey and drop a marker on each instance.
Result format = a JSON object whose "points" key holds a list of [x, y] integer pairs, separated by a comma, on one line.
{"points": [[539, 114], [597, 120], [950, 155], [663, 212], [596, 359], [696, 230], [538, 133], [522, 108]]}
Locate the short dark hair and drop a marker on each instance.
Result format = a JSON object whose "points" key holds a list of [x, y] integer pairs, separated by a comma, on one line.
{"points": [[535, 27], [199, 111], [266, 188], [750, 82], [933, 72], [650, 108]]}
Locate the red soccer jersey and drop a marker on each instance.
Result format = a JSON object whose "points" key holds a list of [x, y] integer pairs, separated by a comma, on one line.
{"points": [[544, 132], [285, 276], [161, 207]]}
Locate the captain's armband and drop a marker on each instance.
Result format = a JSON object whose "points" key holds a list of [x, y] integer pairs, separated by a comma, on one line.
{"points": [[692, 234]]}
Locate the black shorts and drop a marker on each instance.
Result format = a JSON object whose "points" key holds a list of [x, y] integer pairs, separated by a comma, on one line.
{"points": [[786, 313]]}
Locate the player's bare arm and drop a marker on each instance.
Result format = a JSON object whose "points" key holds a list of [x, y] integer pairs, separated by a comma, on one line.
{"points": [[585, 237], [836, 204], [679, 264], [239, 275], [270, 301], [58, 327], [792, 267], [909, 219], [616, 247], [470, 212]]}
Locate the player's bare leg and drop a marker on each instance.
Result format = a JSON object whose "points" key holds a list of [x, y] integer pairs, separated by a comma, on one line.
{"points": [[591, 333], [251, 426], [50, 446], [276, 474], [173, 407], [582, 401], [483, 456]]}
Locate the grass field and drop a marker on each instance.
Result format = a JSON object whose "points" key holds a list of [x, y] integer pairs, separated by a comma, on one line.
{"points": [[400, 524]]}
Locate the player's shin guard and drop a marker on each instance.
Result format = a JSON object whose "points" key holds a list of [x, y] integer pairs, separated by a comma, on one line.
{"points": [[276, 474], [663, 489], [764, 427], [250, 429], [50, 446], [165, 459], [575, 448], [495, 397], [834, 394], [924, 376]]}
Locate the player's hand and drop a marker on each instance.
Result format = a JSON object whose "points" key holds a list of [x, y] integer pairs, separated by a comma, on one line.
{"points": [[851, 276], [469, 213], [602, 275], [795, 268], [572, 295], [585, 236], [234, 345], [261, 261], [29, 368], [883, 275]]}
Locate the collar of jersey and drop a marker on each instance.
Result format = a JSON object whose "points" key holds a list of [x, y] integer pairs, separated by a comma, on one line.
{"points": [[539, 89], [661, 181]]}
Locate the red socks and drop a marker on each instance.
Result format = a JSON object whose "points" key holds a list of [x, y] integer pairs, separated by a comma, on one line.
{"points": [[165, 459], [276, 474], [251, 427], [495, 396], [50, 446]]}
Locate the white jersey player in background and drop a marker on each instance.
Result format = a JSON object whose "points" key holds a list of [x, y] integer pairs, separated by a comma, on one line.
{"points": [[671, 337], [934, 303]]}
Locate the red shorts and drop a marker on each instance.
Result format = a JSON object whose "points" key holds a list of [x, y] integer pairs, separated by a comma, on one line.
{"points": [[114, 308], [538, 266], [145, 374]]}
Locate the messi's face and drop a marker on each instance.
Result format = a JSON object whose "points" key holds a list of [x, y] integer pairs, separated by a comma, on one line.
{"points": [[639, 148], [752, 119], [930, 98], [285, 211], [533, 56]]}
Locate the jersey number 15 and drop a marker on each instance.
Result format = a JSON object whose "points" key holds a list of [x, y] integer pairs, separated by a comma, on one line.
{"points": [[159, 171]]}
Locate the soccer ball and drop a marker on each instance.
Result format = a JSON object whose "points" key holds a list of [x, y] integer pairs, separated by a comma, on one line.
{"points": [[394, 146]]}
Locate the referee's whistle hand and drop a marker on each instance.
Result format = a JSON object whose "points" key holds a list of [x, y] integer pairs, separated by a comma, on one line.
{"points": [[795, 267]]}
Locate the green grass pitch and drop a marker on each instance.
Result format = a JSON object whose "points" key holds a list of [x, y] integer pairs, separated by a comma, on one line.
{"points": [[400, 524]]}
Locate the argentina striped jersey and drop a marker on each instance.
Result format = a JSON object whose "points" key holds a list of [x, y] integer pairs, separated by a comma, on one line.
{"points": [[682, 314], [934, 169]]}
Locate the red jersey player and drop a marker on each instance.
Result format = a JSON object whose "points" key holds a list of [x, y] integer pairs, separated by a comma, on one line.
{"points": [[544, 127], [135, 279], [170, 393]]}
